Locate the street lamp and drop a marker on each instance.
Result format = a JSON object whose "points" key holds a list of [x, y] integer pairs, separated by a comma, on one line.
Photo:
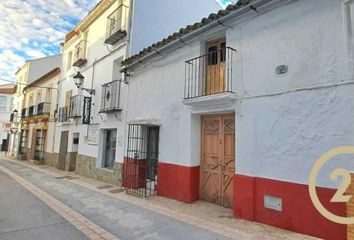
{"points": [[79, 81]]}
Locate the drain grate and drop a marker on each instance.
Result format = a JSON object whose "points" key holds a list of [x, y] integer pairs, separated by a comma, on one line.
{"points": [[105, 186], [117, 190], [66, 177]]}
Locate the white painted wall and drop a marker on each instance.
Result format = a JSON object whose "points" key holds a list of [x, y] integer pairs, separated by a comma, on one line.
{"points": [[97, 71], [5, 116], [156, 19], [283, 123], [38, 67]]}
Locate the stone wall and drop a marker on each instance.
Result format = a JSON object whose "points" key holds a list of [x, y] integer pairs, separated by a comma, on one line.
{"points": [[86, 166], [51, 159], [70, 161]]}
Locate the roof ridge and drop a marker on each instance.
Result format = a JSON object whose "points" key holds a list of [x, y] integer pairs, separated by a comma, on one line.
{"points": [[187, 29]]}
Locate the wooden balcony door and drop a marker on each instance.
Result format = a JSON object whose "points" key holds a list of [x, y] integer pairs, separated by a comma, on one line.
{"points": [[215, 82], [218, 159]]}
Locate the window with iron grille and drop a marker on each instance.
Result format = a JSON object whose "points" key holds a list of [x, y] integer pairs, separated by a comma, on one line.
{"points": [[80, 107], [32, 111], [117, 24], [110, 96], [24, 113], [43, 108], [140, 167], [63, 114], [39, 146], [23, 142]]}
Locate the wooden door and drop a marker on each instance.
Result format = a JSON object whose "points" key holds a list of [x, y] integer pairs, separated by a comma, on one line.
{"points": [[215, 82], [218, 159], [63, 149]]}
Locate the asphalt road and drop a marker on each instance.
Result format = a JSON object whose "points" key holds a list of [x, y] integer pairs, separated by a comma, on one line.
{"points": [[24, 216]]}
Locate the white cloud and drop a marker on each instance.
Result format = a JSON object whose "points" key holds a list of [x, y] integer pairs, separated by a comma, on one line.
{"points": [[32, 27]]}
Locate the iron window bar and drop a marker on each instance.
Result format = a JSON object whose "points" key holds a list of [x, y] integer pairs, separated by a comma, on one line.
{"points": [[43, 109], [209, 74], [110, 97], [24, 113], [63, 114], [32, 111], [141, 162], [80, 54], [80, 107], [117, 24]]}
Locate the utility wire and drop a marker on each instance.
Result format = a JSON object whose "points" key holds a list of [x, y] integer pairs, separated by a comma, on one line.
{"points": [[25, 84]]}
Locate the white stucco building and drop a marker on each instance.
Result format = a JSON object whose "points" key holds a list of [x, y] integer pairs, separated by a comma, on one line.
{"points": [[6, 101], [91, 129], [243, 104], [29, 72]]}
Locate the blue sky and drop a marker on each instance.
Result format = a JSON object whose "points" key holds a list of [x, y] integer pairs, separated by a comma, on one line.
{"points": [[32, 29]]}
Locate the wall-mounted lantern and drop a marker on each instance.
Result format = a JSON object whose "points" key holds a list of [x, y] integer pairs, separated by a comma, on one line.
{"points": [[79, 81]]}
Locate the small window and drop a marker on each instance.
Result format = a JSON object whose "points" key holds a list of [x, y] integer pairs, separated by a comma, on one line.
{"points": [[3, 103], [212, 55]]}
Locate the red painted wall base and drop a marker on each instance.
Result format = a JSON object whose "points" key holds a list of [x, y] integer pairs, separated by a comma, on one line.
{"points": [[298, 213], [178, 182]]}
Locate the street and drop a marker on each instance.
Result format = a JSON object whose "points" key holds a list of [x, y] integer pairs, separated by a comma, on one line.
{"points": [[82, 213]]}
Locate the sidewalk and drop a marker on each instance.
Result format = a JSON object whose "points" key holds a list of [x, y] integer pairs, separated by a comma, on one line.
{"points": [[128, 217]]}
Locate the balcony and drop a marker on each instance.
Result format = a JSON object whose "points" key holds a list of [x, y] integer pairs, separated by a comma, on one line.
{"points": [[110, 97], [80, 54], [117, 25], [43, 109], [24, 113], [63, 114], [80, 107], [209, 78], [32, 111]]}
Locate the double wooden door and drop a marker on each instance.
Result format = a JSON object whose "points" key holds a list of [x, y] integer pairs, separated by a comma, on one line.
{"points": [[218, 159]]}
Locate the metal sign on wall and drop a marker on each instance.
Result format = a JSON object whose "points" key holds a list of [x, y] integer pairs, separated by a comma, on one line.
{"points": [[93, 134]]}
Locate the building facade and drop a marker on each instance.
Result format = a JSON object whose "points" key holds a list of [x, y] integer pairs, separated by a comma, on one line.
{"points": [[236, 109], [6, 101], [90, 134], [28, 73], [38, 119]]}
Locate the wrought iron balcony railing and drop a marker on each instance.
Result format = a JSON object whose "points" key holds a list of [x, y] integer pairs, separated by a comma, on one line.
{"points": [[63, 113], [80, 107], [80, 54], [43, 109], [110, 96], [209, 74], [24, 113], [117, 25], [32, 111]]}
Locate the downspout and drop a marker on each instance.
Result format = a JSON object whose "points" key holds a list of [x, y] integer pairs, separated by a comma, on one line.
{"points": [[347, 24]]}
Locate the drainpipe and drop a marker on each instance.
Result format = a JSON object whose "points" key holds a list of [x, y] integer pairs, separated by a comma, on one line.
{"points": [[347, 24]]}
